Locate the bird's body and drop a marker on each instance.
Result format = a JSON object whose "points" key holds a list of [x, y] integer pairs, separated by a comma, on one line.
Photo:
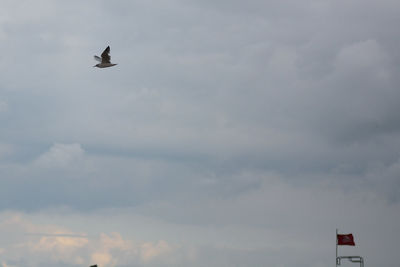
{"points": [[104, 59], [104, 65]]}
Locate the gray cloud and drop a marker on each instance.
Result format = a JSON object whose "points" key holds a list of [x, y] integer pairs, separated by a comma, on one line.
{"points": [[238, 124]]}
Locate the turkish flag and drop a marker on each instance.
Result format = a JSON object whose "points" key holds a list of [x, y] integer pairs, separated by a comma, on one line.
{"points": [[345, 240]]}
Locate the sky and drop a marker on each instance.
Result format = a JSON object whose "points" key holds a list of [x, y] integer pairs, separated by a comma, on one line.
{"points": [[231, 133]]}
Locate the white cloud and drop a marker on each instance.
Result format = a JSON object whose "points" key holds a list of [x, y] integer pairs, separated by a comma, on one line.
{"points": [[364, 57], [3, 106], [6, 150], [150, 251], [61, 156], [55, 244]]}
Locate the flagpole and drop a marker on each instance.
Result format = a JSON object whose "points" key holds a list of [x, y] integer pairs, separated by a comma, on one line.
{"points": [[336, 247]]}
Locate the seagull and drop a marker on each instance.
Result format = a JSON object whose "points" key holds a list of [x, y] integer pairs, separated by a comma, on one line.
{"points": [[105, 59]]}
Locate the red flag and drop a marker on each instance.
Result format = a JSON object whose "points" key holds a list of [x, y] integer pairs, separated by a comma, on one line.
{"points": [[345, 240]]}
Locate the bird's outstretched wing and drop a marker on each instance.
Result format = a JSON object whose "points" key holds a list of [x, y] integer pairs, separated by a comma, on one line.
{"points": [[97, 58], [105, 57]]}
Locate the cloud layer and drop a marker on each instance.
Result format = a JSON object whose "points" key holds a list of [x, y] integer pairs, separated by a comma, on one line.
{"points": [[229, 133]]}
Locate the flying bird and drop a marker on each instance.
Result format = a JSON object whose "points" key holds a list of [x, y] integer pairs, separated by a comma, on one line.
{"points": [[105, 59]]}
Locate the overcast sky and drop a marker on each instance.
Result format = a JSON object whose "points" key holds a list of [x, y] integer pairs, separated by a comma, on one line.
{"points": [[231, 133]]}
